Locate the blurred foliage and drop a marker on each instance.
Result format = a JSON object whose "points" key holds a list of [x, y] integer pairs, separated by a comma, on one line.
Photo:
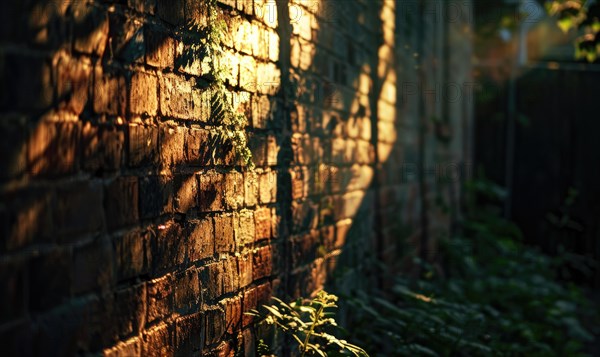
{"points": [[495, 296], [203, 48], [581, 16], [311, 324]]}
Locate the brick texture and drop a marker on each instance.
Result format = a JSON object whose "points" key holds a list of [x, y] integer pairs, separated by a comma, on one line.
{"points": [[122, 236]]}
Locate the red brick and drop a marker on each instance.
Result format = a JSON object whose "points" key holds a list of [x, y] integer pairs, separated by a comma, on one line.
{"points": [[171, 141], [250, 188], [169, 248], [158, 341], [50, 279], [93, 22], [129, 348], [231, 275], [109, 93], [143, 95], [263, 262], [102, 148], [130, 310], [185, 192], [53, 148], [133, 254], [211, 281], [215, 326], [176, 97], [249, 303], [92, 267], [160, 298], [262, 220], [160, 48], [187, 292], [233, 314], [234, 190], [245, 230], [27, 218], [73, 79], [197, 147], [143, 145], [245, 263], [121, 202], [189, 334], [156, 196], [224, 234], [211, 191], [202, 239]]}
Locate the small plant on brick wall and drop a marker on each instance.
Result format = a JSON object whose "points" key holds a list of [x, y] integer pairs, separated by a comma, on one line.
{"points": [[311, 323], [203, 43]]}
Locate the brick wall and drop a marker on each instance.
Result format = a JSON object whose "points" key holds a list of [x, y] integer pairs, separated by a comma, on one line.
{"points": [[123, 237]]}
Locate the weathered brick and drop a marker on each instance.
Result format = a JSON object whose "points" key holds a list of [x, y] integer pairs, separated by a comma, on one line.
{"points": [[158, 341], [73, 79], [90, 27], [78, 208], [245, 263], [143, 145], [92, 266], [187, 292], [50, 279], [126, 38], [248, 79], [211, 281], [143, 95], [249, 303], [211, 191], [156, 196], [110, 95], [176, 97], [197, 147], [224, 233], [121, 202], [233, 314], [231, 275], [53, 148], [169, 248], [185, 193], [27, 217], [172, 145], [245, 230], [262, 220], [234, 190], [250, 188], [160, 298], [189, 334], [267, 182], [130, 310], [263, 262], [215, 326], [128, 348], [202, 239], [133, 254], [160, 47], [102, 148], [172, 12]]}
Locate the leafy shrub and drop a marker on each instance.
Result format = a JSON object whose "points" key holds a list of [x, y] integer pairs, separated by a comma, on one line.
{"points": [[496, 296], [311, 324]]}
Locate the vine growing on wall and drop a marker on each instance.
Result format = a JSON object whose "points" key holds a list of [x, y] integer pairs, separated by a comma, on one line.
{"points": [[203, 43]]}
